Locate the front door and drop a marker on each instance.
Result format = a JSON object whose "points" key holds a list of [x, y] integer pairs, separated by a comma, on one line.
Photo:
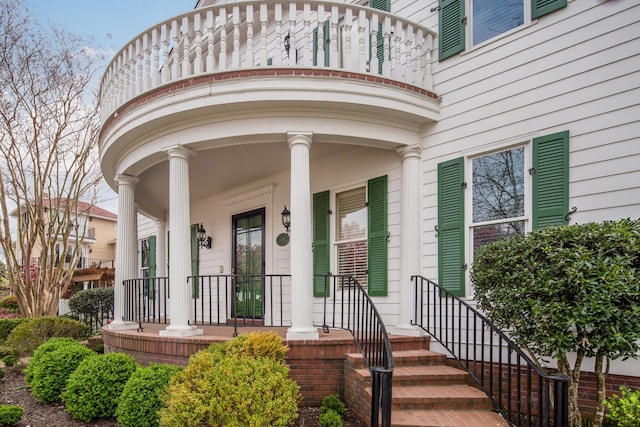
{"points": [[248, 263]]}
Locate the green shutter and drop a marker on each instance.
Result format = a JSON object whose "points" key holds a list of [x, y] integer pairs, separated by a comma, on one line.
{"points": [[384, 5], [451, 38], [321, 242], [325, 31], [377, 236], [152, 256], [542, 7], [195, 254], [550, 180], [451, 226]]}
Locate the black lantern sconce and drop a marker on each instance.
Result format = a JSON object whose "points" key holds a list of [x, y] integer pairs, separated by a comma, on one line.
{"points": [[204, 241], [286, 218], [287, 45]]}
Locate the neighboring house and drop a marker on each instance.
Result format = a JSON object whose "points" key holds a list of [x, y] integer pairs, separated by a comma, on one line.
{"points": [[399, 141], [94, 266]]}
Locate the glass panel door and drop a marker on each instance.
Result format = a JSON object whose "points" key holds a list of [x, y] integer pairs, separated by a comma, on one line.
{"points": [[248, 263]]}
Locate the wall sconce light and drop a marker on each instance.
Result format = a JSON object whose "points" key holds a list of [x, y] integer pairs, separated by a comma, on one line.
{"points": [[286, 218], [287, 46], [204, 241]]}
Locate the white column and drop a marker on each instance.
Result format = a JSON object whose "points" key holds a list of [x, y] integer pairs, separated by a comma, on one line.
{"points": [[126, 249], [409, 235], [180, 309], [301, 240]]}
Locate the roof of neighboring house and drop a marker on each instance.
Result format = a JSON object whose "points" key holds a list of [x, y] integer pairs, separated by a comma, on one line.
{"points": [[84, 208]]}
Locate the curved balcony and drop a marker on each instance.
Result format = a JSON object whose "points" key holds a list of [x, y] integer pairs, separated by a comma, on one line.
{"points": [[254, 35]]}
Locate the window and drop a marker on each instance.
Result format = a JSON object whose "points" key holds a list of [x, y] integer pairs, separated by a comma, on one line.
{"points": [[360, 239], [480, 20], [506, 197], [148, 264], [144, 257]]}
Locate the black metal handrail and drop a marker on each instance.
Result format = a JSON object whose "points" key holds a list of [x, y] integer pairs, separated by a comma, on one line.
{"points": [[347, 305], [95, 314], [520, 390], [146, 300]]}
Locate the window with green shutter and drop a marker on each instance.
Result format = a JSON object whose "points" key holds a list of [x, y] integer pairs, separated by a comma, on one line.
{"points": [[377, 236], [451, 271], [195, 261], [321, 244], [550, 176], [482, 20]]}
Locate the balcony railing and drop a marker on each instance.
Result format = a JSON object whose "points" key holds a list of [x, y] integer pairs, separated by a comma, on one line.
{"points": [[245, 35], [520, 390]]}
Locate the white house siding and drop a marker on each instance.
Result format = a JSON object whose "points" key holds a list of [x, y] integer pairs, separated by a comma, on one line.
{"points": [[576, 69]]}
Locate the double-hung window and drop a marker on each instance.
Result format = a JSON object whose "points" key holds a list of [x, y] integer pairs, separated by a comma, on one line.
{"points": [[351, 234], [467, 23], [496, 195]]}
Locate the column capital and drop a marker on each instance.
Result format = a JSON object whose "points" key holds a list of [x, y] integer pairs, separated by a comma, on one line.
{"points": [[294, 138], [408, 151], [179, 151], [126, 180]]}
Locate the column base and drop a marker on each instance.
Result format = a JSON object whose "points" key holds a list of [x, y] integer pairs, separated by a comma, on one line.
{"points": [[181, 331], [299, 333], [407, 330], [121, 325]]}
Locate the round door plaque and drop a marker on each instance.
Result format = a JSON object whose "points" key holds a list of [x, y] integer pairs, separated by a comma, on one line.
{"points": [[282, 239]]}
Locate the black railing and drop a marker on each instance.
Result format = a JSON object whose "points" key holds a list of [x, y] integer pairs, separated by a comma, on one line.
{"points": [[520, 390], [95, 314], [84, 262], [347, 305], [146, 300]]}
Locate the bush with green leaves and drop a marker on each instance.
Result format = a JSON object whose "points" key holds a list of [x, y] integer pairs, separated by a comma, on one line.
{"points": [[330, 418], [139, 403], [8, 325], [10, 414], [28, 336], [332, 403], [227, 385], [624, 410], [49, 373], [44, 348], [257, 344], [10, 304], [93, 389], [9, 360], [570, 289], [92, 301]]}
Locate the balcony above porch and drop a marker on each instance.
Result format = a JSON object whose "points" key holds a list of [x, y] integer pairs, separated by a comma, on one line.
{"points": [[248, 56]]}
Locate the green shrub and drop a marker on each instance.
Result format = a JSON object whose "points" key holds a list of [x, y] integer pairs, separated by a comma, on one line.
{"points": [[51, 371], [257, 344], [9, 360], [624, 409], [1, 374], [10, 304], [93, 388], [28, 336], [8, 325], [46, 347], [10, 414], [139, 403], [92, 301], [223, 386], [330, 418], [332, 403]]}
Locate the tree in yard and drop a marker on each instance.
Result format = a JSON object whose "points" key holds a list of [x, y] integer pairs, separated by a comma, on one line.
{"points": [[567, 290], [48, 155]]}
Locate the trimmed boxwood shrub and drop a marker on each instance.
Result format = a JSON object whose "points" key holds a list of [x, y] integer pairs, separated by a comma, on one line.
{"points": [[8, 325], [93, 388], [223, 385], [49, 375], [10, 304], [330, 418], [28, 336], [51, 345], [332, 403], [10, 414], [139, 403]]}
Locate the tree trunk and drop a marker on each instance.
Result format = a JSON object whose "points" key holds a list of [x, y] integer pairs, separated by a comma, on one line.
{"points": [[575, 418], [598, 416]]}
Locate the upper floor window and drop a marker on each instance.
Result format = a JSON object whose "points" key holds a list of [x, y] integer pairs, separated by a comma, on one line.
{"points": [[466, 23]]}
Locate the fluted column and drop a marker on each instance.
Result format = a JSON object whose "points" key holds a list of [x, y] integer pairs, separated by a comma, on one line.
{"points": [[409, 235], [180, 309], [301, 240], [126, 249]]}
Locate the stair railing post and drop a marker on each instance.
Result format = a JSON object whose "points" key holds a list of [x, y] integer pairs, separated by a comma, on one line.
{"points": [[375, 396]]}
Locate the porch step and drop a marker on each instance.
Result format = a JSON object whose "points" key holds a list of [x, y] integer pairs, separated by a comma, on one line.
{"points": [[427, 392]]}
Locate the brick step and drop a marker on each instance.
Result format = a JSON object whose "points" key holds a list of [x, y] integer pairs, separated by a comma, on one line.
{"points": [[446, 418], [404, 358], [433, 375], [442, 397]]}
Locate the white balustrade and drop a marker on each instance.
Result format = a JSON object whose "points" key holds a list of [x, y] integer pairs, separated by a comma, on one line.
{"points": [[251, 34]]}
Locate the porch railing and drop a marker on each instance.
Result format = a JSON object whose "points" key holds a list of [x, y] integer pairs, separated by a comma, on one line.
{"points": [[94, 314], [520, 390], [346, 305], [250, 34], [146, 300]]}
